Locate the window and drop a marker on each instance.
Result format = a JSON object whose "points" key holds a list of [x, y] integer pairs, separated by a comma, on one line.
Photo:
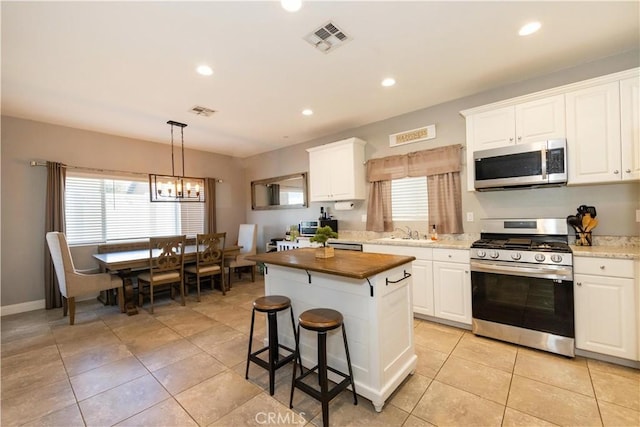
{"points": [[409, 199], [101, 208]]}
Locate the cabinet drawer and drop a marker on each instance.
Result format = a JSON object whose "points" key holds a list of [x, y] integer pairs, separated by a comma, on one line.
{"points": [[451, 255], [419, 253], [603, 266]]}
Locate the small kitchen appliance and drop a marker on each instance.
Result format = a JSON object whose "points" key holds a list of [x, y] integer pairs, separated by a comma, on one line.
{"points": [[522, 283], [308, 228]]}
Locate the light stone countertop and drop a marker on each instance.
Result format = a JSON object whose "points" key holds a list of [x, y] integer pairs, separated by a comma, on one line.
{"points": [[618, 252]]}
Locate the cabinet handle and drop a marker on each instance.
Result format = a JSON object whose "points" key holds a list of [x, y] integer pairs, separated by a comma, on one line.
{"points": [[510, 139], [628, 170], [519, 138], [602, 267], [616, 172], [579, 283]]}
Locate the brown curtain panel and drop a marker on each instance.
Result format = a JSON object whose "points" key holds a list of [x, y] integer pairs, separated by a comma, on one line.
{"points": [[210, 205], [379, 207], [54, 221], [445, 202]]}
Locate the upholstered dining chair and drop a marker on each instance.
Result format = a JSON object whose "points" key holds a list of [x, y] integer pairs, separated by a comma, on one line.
{"points": [[166, 267], [247, 238], [74, 283], [209, 260]]}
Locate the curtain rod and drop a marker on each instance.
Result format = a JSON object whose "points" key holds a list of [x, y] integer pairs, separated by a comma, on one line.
{"points": [[33, 163]]}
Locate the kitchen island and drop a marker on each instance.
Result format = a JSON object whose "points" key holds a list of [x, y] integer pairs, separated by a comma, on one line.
{"points": [[373, 293]]}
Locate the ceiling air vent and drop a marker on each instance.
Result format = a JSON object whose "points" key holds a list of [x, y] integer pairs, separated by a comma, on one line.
{"points": [[201, 111], [327, 38]]}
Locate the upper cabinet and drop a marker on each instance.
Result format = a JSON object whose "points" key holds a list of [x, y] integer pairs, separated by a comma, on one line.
{"points": [[532, 121], [337, 171], [599, 117]]}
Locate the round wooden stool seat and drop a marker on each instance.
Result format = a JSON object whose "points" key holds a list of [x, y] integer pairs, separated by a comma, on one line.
{"points": [[320, 319], [272, 303]]}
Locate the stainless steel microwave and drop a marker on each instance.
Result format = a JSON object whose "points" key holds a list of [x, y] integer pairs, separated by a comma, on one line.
{"points": [[521, 165], [308, 228]]}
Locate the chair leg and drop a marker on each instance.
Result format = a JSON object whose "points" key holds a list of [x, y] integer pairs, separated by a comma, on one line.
{"points": [[253, 273], [151, 297], [72, 310], [65, 307], [198, 285], [295, 364], [223, 285], [120, 292], [346, 350], [253, 318], [182, 291]]}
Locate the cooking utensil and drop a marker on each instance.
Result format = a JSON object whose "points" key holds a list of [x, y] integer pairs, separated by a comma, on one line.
{"points": [[583, 209], [592, 224], [586, 219], [592, 211], [575, 221]]}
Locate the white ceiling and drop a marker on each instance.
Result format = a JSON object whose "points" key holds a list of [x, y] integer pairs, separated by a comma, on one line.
{"points": [[126, 68]]}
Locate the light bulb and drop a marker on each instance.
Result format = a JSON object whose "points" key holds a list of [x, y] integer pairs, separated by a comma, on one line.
{"points": [[291, 5]]}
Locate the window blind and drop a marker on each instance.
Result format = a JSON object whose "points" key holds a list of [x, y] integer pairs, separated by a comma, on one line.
{"points": [[409, 199], [100, 209]]}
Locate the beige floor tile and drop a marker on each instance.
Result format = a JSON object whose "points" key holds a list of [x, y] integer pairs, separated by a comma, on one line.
{"points": [[261, 410], [437, 337], [214, 336], [224, 393], [68, 417], [35, 402], [446, 405], [136, 326], [186, 322], [618, 416], [29, 359], [107, 377], [484, 381], [188, 372], [34, 341], [122, 402], [95, 357], [231, 352], [623, 371], [429, 361], [553, 404], [570, 374], [38, 375], [342, 412], [622, 391], [65, 332], [103, 338], [514, 418], [165, 413], [413, 421], [152, 340], [168, 353], [409, 393], [486, 351]]}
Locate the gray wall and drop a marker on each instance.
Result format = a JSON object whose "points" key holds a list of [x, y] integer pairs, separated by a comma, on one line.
{"points": [[616, 203], [23, 191]]}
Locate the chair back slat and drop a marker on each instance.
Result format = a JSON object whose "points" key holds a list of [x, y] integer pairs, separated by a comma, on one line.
{"points": [[170, 256], [210, 248]]}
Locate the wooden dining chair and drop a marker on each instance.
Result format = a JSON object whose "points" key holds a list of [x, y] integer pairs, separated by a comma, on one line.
{"points": [[247, 239], [72, 282], [209, 260], [166, 267]]}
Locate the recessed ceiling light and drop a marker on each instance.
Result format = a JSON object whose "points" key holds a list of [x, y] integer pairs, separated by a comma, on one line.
{"points": [[529, 28], [291, 5], [307, 112], [388, 82], [204, 70]]}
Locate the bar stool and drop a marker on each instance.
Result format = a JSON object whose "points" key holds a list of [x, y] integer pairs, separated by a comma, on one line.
{"points": [[322, 320], [271, 305]]}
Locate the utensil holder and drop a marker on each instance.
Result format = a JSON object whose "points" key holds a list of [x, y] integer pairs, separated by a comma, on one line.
{"points": [[583, 238]]}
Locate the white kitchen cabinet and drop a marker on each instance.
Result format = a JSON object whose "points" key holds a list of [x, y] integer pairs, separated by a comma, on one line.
{"points": [[606, 306], [452, 285], [630, 128], [337, 171], [593, 134], [422, 283]]}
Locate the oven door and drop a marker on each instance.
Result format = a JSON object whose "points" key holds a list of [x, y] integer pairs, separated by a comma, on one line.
{"points": [[535, 297]]}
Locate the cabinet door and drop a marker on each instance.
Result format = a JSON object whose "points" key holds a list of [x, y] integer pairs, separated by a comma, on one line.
{"points": [[630, 128], [491, 129], [605, 315], [319, 182], [342, 174], [593, 134], [452, 291], [423, 287], [540, 120]]}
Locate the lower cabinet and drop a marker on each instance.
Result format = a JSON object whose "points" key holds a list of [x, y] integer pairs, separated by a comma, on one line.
{"points": [[441, 280], [452, 285], [606, 306]]}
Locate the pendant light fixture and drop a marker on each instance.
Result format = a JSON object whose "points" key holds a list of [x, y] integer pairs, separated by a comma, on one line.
{"points": [[176, 188]]}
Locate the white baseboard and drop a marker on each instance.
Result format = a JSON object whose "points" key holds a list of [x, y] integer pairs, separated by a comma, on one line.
{"points": [[22, 307]]}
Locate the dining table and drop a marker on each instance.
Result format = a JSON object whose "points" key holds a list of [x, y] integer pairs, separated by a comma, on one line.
{"points": [[125, 263]]}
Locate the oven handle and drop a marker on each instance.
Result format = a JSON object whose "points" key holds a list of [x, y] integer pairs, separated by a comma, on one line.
{"points": [[544, 272]]}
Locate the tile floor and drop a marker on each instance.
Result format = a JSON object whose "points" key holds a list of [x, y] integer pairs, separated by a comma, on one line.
{"points": [[184, 366]]}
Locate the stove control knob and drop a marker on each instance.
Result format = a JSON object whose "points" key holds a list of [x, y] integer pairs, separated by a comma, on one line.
{"points": [[540, 257], [516, 256], [556, 258], [481, 253], [494, 254]]}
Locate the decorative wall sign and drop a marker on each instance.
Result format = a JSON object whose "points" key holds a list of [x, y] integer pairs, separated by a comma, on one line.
{"points": [[413, 135]]}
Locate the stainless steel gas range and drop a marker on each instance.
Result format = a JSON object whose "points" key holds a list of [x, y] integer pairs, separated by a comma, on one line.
{"points": [[522, 283]]}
